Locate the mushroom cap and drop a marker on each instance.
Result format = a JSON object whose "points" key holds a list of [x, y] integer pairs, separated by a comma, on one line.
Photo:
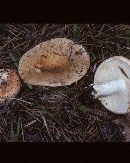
{"points": [[9, 84], [56, 62], [115, 68]]}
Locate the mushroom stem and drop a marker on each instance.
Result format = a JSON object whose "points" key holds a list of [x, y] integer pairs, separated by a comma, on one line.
{"points": [[108, 88]]}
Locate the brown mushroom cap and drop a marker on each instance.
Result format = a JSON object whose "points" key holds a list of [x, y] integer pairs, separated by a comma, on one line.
{"points": [[9, 84], [54, 63]]}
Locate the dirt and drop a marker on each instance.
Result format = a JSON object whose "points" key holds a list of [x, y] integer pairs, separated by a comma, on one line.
{"points": [[125, 122]]}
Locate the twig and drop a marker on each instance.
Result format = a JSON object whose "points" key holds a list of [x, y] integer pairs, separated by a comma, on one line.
{"points": [[44, 120], [30, 123]]}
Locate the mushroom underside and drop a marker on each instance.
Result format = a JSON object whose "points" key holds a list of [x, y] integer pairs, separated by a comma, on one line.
{"points": [[114, 69]]}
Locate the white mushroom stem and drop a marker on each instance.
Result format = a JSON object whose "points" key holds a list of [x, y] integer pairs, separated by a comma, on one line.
{"points": [[109, 88]]}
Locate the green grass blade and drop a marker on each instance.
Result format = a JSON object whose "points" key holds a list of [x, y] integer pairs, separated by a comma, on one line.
{"points": [[123, 37], [18, 129], [12, 131], [75, 29], [93, 57], [29, 86], [100, 32], [14, 60], [83, 108], [127, 32]]}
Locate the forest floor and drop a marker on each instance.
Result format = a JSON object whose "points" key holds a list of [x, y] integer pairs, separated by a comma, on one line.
{"points": [[62, 114]]}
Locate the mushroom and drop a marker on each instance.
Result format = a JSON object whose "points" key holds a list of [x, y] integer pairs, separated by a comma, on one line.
{"points": [[112, 84], [56, 62], [9, 84]]}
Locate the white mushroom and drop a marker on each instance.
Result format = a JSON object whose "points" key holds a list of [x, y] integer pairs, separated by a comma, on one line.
{"points": [[9, 84], [112, 84], [56, 62]]}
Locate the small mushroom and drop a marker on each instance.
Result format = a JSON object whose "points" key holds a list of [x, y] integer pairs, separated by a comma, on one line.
{"points": [[112, 84], [9, 84], [56, 62]]}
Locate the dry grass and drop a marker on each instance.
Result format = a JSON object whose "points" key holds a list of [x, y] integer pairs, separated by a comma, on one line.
{"points": [[63, 114]]}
